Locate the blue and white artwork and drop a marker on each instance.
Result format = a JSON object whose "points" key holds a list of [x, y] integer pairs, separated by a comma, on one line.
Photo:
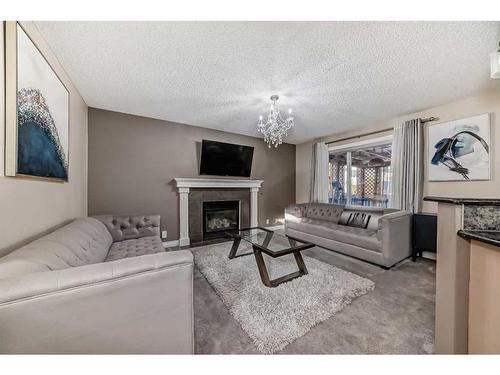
{"points": [[459, 150], [42, 115]]}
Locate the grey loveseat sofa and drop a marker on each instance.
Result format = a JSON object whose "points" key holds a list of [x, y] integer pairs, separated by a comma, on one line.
{"points": [[377, 235], [97, 285]]}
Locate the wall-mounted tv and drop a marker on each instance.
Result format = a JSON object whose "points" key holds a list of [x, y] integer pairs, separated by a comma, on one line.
{"points": [[225, 159]]}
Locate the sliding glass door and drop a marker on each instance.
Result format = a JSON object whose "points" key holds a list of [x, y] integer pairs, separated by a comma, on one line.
{"points": [[338, 178], [361, 175]]}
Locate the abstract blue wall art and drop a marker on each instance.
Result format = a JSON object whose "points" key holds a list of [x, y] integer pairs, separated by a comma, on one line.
{"points": [[41, 130], [39, 151], [459, 150]]}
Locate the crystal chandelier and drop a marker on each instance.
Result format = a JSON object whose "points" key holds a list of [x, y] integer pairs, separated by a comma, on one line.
{"points": [[275, 128]]}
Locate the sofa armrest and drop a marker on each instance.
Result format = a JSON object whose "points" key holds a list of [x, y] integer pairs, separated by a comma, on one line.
{"points": [[40, 283], [134, 305], [395, 236], [127, 227], [294, 213], [295, 210], [387, 218]]}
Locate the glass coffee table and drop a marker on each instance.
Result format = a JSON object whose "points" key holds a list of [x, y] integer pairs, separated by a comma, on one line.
{"points": [[273, 244]]}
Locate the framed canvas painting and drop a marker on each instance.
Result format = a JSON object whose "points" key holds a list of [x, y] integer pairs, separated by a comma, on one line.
{"points": [[37, 111], [460, 150]]}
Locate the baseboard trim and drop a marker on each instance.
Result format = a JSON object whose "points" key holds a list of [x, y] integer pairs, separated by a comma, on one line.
{"points": [[176, 243], [172, 243], [429, 255], [276, 227]]}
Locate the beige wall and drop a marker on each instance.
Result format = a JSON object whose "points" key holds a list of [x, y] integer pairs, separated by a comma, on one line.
{"points": [[133, 159], [29, 208], [487, 102]]}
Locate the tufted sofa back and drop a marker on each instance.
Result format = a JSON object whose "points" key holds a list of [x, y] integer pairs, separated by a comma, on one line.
{"points": [[126, 227], [339, 214], [322, 211], [83, 241]]}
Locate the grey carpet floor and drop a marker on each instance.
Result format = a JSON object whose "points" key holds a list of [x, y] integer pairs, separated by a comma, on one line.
{"points": [[396, 317], [275, 317]]}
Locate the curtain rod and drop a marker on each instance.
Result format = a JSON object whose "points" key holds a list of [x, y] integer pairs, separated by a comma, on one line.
{"points": [[423, 120]]}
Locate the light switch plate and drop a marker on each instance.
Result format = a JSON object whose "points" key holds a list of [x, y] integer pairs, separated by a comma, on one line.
{"points": [[163, 234]]}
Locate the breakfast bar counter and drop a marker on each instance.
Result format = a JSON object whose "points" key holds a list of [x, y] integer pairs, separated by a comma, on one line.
{"points": [[467, 275]]}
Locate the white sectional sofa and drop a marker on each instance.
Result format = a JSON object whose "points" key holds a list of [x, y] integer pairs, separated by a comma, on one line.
{"points": [[97, 285]]}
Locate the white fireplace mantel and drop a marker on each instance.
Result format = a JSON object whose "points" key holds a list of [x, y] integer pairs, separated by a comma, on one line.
{"points": [[216, 183], [184, 184]]}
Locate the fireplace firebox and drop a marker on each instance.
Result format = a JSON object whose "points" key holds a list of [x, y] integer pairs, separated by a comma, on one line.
{"points": [[219, 217]]}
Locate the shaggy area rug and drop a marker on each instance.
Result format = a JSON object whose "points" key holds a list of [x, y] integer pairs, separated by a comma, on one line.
{"points": [[274, 317]]}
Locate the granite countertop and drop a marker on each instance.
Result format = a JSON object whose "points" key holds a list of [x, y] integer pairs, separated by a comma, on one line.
{"points": [[489, 237], [481, 218], [475, 201]]}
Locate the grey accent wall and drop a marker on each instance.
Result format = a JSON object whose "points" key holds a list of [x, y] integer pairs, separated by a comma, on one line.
{"points": [[133, 159]]}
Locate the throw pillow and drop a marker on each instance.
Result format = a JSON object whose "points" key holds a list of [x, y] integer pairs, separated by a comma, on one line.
{"points": [[355, 219]]}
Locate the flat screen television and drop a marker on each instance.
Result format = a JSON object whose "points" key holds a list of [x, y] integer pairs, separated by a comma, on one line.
{"points": [[225, 159]]}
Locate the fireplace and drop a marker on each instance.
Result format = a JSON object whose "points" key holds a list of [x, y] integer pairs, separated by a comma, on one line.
{"points": [[194, 191], [219, 217]]}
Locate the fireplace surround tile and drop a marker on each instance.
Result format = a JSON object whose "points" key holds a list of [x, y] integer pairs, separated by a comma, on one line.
{"points": [[195, 207]]}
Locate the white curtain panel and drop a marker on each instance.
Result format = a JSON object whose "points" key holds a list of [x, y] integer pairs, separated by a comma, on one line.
{"points": [[407, 166], [319, 181]]}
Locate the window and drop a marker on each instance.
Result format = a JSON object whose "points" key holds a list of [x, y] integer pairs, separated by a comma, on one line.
{"points": [[360, 174]]}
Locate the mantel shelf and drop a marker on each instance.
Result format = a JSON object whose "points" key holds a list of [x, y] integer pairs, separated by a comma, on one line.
{"points": [[181, 182]]}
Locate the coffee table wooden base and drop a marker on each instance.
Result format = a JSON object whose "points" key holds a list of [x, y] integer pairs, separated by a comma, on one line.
{"points": [[264, 275], [270, 247], [261, 265]]}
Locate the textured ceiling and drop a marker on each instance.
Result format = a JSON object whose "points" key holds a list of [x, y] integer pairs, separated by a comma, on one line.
{"points": [[335, 75]]}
